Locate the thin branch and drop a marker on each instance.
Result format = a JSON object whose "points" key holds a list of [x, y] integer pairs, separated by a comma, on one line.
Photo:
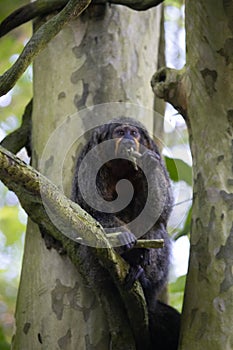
{"points": [[173, 86], [28, 12], [30, 187], [45, 7], [20, 138], [141, 243], [39, 41]]}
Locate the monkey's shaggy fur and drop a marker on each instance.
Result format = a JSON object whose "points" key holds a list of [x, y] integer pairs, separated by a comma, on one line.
{"points": [[150, 182]]}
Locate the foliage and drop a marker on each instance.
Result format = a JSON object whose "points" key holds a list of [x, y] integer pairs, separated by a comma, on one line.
{"points": [[12, 217], [12, 228], [4, 345], [179, 170], [176, 292], [186, 227], [13, 103], [175, 3]]}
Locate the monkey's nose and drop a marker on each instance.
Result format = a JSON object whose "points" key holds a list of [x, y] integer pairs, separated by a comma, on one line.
{"points": [[127, 143], [124, 146]]}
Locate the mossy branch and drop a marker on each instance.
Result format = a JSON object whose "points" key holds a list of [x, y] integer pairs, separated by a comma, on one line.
{"points": [[34, 189], [39, 197], [172, 86], [39, 41]]}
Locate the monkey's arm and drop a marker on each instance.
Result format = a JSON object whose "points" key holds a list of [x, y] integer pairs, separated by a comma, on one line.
{"points": [[160, 198]]}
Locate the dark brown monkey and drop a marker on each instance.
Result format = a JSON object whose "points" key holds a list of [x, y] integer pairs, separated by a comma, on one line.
{"points": [[107, 165], [103, 171]]}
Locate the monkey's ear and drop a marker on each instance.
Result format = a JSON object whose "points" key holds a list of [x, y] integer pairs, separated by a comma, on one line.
{"points": [[96, 137], [147, 141], [99, 135]]}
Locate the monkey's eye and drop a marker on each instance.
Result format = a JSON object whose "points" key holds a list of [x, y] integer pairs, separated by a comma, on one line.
{"points": [[120, 132], [134, 133]]}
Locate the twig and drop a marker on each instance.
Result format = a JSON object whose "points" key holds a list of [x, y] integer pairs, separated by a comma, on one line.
{"points": [[134, 153], [149, 243], [182, 202], [20, 138], [39, 41], [140, 243], [133, 156]]}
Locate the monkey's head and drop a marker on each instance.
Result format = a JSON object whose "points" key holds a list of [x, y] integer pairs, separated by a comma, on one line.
{"points": [[126, 137], [126, 134]]}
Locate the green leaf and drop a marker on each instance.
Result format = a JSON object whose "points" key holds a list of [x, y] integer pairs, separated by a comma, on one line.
{"points": [[178, 285], [3, 343], [10, 224], [176, 292], [179, 170], [187, 226]]}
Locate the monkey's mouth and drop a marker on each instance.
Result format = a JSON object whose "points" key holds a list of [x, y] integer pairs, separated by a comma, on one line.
{"points": [[125, 151], [124, 147]]}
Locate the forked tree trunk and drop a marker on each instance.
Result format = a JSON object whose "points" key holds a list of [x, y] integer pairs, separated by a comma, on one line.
{"points": [[202, 92], [107, 55]]}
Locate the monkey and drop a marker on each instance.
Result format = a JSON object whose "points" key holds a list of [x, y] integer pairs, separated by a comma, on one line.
{"points": [[150, 267], [119, 152]]}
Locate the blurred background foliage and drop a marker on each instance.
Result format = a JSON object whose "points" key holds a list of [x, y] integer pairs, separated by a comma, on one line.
{"points": [[12, 217], [178, 159]]}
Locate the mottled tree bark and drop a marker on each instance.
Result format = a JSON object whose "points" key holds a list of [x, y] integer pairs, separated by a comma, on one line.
{"points": [[107, 55], [208, 315], [203, 92]]}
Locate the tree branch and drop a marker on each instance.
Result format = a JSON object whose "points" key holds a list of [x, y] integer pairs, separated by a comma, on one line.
{"points": [[39, 196], [45, 7], [38, 42], [20, 138], [28, 12], [173, 86], [139, 5], [34, 189]]}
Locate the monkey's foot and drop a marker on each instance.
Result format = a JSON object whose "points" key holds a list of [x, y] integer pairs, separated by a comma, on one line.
{"points": [[134, 274]]}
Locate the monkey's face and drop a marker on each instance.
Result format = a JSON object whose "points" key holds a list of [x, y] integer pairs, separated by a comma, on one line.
{"points": [[126, 137]]}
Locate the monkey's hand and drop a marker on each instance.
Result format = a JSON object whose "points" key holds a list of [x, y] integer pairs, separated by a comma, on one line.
{"points": [[118, 234], [150, 159], [127, 241]]}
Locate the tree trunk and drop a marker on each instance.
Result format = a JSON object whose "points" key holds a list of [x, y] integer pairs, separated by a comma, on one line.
{"points": [[202, 92], [208, 317], [107, 55]]}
